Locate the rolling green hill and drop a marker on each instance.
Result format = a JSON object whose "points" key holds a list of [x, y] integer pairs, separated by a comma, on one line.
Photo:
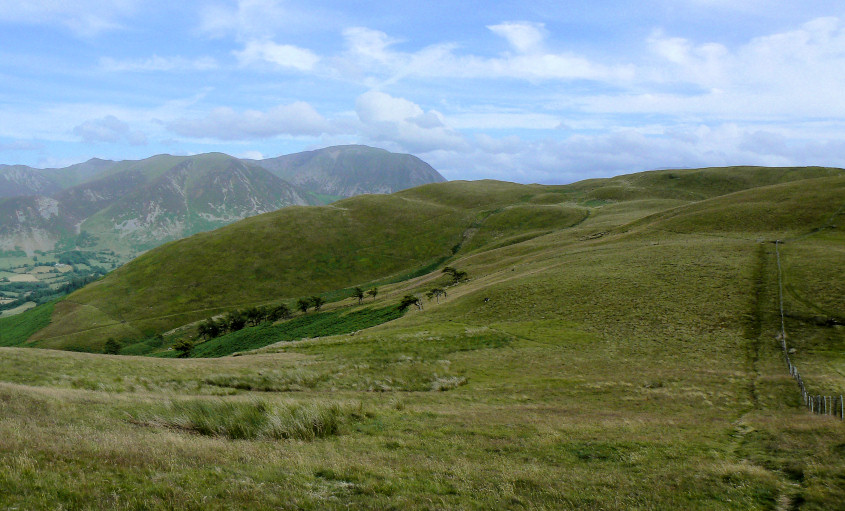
{"points": [[605, 353], [298, 252]]}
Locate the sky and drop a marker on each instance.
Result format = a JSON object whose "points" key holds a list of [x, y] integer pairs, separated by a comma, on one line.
{"points": [[527, 91]]}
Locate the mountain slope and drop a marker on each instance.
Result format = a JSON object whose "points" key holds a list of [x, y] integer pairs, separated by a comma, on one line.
{"points": [[304, 251], [185, 196], [352, 170], [20, 180], [31, 223], [131, 206]]}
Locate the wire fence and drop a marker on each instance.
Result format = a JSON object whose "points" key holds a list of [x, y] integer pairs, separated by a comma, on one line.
{"points": [[819, 404]]}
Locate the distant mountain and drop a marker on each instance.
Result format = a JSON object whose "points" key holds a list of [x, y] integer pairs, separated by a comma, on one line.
{"points": [[132, 206], [344, 171], [175, 197], [20, 180], [31, 223]]}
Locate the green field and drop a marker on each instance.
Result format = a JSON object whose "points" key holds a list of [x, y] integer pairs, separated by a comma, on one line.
{"points": [[614, 347]]}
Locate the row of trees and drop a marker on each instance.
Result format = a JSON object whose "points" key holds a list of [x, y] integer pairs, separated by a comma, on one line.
{"points": [[359, 293], [455, 276], [237, 320], [254, 316]]}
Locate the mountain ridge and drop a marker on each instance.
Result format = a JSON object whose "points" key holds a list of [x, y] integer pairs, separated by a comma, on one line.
{"points": [[133, 205]]}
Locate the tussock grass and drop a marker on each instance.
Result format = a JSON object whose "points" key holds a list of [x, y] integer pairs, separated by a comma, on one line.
{"points": [[272, 381], [253, 419]]}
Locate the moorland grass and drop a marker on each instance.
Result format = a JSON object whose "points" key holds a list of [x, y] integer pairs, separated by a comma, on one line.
{"points": [[249, 420], [608, 372]]}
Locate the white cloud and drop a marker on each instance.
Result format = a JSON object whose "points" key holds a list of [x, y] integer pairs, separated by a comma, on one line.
{"points": [[370, 44], [281, 55], [157, 63], [583, 156], [251, 155], [109, 129], [224, 123], [792, 74], [397, 120], [86, 18], [370, 52], [522, 35], [261, 19]]}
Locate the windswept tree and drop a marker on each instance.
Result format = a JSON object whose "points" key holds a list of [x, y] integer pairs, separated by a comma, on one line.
{"points": [[112, 346], [236, 320], [278, 312], [254, 316], [209, 329], [373, 292], [302, 304], [436, 293], [455, 274], [409, 300], [183, 347], [317, 302], [359, 294]]}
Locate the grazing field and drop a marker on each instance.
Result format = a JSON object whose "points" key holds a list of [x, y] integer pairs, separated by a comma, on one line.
{"points": [[24, 277], [620, 353]]}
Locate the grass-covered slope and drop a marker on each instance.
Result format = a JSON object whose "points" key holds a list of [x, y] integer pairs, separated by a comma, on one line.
{"points": [[304, 251], [626, 359], [697, 184], [289, 253]]}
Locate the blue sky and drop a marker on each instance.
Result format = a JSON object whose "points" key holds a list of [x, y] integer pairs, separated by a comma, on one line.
{"points": [[543, 91]]}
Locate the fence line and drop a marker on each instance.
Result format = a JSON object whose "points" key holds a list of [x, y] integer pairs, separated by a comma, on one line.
{"points": [[822, 405]]}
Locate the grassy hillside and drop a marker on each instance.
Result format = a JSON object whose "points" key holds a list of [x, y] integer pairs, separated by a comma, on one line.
{"points": [[305, 251], [622, 356], [286, 254]]}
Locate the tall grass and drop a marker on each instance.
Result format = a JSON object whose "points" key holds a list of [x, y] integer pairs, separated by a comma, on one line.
{"points": [[254, 419]]}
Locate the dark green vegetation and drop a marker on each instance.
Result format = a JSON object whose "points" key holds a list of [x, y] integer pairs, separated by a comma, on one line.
{"points": [[309, 325], [611, 347], [15, 330]]}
